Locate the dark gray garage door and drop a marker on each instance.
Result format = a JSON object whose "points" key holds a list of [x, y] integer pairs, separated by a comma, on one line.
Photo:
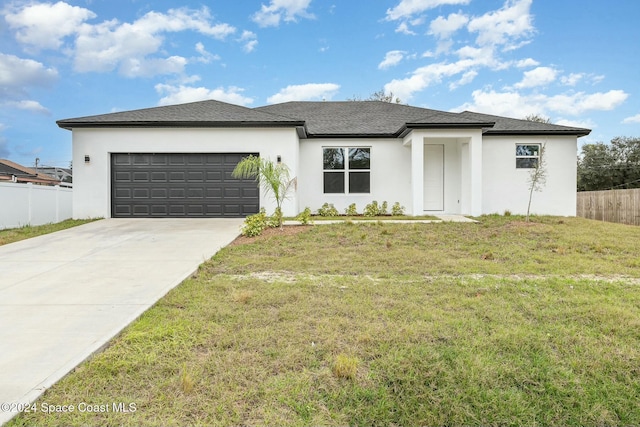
{"points": [[180, 185]]}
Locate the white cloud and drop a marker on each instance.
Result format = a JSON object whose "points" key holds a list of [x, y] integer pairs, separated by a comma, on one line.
{"points": [[572, 79], [504, 26], [182, 94], [392, 58], [305, 92], [407, 8], [501, 30], [18, 73], [632, 119], [580, 102], [271, 15], [44, 25], [29, 105], [512, 103], [126, 46], [205, 56], [445, 27], [525, 63], [464, 80], [426, 76], [404, 29], [250, 41], [539, 76]]}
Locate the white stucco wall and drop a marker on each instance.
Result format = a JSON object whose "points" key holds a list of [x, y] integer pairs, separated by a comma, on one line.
{"points": [[507, 188], [91, 194], [390, 174]]}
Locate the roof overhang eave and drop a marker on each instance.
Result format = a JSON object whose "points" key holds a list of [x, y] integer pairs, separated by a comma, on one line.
{"points": [[574, 132], [408, 127], [70, 125]]}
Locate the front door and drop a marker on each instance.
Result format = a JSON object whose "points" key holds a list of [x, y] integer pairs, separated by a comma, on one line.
{"points": [[434, 177]]}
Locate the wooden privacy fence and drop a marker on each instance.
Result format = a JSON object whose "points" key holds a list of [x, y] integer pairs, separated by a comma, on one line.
{"points": [[622, 206]]}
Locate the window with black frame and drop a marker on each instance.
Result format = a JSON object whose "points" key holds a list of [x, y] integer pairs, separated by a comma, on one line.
{"points": [[346, 170], [527, 156]]}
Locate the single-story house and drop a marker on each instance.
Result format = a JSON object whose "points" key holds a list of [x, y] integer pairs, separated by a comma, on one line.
{"points": [[176, 161]]}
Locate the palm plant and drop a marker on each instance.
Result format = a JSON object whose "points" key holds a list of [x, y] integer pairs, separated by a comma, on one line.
{"points": [[273, 177]]}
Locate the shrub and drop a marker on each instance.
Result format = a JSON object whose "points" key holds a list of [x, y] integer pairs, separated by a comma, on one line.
{"points": [[372, 209], [351, 210], [305, 216], [275, 220], [328, 210], [397, 210], [507, 213], [384, 208], [254, 224]]}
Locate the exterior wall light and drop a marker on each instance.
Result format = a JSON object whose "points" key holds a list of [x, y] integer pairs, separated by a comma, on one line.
{"points": [[87, 159]]}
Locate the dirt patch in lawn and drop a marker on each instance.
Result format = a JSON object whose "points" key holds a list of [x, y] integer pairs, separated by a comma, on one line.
{"points": [[286, 230]]}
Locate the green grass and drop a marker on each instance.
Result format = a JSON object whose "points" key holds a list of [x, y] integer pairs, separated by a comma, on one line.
{"points": [[11, 235], [496, 323]]}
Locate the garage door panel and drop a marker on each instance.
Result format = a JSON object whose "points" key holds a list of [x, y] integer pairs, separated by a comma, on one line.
{"points": [[159, 176], [180, 185], [177, 176], [159, 193], [176, 159], [141, 159]]}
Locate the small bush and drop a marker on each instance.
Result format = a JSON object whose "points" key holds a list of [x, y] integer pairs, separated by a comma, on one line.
{"points": [[372, 209], [507, 213], [328, 210], [345, 366], [305, 216], [397, 210], [351, 210], [255, 224], [384, 208], [275, 220]]}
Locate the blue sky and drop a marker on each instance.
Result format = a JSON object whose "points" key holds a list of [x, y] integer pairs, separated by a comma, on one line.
{"points": [[574, 61]]}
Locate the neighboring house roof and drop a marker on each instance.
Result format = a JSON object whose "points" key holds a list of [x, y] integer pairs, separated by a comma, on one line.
{"points": [[9, 170], [319, 119]]}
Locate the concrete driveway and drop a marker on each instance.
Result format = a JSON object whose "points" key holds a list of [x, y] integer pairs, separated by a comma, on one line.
{"points": [[64, 295]]}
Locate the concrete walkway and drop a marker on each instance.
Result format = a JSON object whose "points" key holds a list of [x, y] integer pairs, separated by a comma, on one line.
{"points": [[65, 295]]}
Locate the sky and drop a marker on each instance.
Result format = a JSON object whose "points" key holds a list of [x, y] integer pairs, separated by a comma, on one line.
{"points": [[576, 62]]}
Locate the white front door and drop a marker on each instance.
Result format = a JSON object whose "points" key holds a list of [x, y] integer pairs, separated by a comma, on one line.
{"points": [[434, 177]]}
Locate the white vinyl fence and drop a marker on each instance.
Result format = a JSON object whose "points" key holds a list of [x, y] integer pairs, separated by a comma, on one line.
{"points": [[29, 204]]}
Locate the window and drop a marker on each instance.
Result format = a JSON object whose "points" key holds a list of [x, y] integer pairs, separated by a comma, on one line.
{"points": [[351, 174], [527, 156]]}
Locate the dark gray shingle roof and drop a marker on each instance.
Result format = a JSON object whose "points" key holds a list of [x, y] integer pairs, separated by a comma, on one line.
{"points": [[201, 114], [366, 118], [509, 126], [319, 119]]}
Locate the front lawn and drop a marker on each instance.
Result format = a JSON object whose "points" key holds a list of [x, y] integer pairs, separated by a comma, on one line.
{"points": [[500, 322]]}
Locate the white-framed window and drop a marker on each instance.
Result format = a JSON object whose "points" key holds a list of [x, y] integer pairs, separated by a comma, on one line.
{"points": [[346, 170], [527, 156]]}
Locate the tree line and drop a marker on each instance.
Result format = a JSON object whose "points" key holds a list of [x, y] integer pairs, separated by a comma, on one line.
{"points": [[610, 166]]}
